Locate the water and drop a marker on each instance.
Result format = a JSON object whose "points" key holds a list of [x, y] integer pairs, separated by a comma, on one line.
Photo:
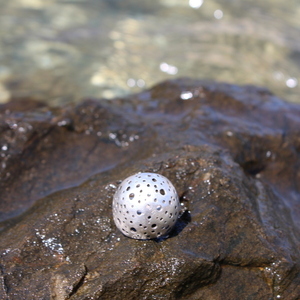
{"points": [[62, 51]]}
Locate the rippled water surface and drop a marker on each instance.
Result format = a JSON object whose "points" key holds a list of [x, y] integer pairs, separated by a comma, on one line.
{"points": [[61, 51]]}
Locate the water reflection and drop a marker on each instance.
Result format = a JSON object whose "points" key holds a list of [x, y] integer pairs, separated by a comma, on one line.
{"points": [[291, 82], [195, 3], [218, 14], [169, 69], [62, 51]]}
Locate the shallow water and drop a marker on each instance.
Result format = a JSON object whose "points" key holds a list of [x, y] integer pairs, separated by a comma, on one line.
{"points": [[61, 51]]}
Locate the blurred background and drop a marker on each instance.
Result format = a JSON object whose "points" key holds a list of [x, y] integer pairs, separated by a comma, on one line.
{"points": [[63, 51]]}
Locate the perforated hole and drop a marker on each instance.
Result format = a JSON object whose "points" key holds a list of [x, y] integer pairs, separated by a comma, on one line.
{"points": [[162, 191], [131, 196]]}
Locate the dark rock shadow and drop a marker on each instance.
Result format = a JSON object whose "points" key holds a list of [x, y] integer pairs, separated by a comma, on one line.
{"points": [[181, 223], [252, 167]]}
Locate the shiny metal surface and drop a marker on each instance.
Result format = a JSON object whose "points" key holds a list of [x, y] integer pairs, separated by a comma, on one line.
{"points": [[145, 206]]}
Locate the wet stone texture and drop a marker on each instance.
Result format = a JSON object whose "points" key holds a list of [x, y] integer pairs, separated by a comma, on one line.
{"points": [[233, 154]]}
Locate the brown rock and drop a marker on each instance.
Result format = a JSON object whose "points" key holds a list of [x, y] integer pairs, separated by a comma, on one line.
{"points": [[233, 155]]}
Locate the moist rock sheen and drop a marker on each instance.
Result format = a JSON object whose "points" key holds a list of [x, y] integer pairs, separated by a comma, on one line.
{"points": [[233, 155]]}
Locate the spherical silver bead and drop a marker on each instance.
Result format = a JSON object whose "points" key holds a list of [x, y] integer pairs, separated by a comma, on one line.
{"points": [[145, 206]]}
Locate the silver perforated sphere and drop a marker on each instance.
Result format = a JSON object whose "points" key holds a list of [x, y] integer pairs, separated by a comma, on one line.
{"points": [[145, 206]]}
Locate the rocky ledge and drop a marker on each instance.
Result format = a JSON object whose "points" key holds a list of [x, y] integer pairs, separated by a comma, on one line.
{"points": [[233, 154]]}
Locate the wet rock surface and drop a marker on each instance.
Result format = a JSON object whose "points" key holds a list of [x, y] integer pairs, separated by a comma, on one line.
{"points": [[231, 152]]}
